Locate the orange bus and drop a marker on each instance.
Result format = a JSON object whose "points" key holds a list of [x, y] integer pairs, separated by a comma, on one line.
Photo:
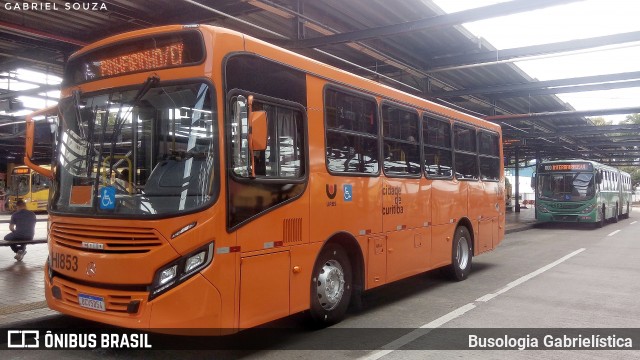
{"points": [[257, 184]]}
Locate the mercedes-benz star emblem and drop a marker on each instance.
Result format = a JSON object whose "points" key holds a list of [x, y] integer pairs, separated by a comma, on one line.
{"points": [[91, 269]]}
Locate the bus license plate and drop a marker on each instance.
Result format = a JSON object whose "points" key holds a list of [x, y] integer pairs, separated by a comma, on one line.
{"points": [[91, 302]]}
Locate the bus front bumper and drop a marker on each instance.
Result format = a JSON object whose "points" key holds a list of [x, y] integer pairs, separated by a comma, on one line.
{"points": [[566, 217], [194, 304]]}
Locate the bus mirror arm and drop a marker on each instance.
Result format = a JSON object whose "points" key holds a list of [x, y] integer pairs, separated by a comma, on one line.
{"points": [[30, 139], [257, 133]]}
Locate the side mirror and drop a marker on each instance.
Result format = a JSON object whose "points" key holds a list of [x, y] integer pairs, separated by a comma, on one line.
{"points": [[30, 140], [258, 120], [599, 177], [533, 181]]}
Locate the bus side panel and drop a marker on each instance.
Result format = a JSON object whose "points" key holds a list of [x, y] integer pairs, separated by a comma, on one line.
{"points": [[264, 288], [404, 217], [484, 205], [349, 204], [302, 260], [448, 204]]}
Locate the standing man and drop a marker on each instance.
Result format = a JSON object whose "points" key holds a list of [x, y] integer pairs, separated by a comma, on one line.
{"points": [[22, 226]]}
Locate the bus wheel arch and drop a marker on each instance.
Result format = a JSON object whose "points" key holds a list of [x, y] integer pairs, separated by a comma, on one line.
{"points": [[462, 247], [337, 279], [467, 223]]}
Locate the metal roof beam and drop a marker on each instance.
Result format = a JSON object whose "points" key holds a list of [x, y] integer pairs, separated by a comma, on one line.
{"points": [[41, 89], [555, 115], [571, 89], [589, 130], [616, 145], [456, 18], [542, 49], [555, 84]]}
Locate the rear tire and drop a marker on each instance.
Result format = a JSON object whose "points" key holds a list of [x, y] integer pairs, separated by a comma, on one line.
{"points": [[331, 286], [461, 255], [626, 216]]}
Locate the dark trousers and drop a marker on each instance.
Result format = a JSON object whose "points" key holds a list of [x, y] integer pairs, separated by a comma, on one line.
{"points": [[15, 237]]}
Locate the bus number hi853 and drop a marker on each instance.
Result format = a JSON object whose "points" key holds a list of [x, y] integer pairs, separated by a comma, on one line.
{"points": [[233, 183]]}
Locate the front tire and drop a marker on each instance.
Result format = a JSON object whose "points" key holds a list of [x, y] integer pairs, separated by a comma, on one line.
{"points": [[600, 223], [461, 255], [331, 286]]}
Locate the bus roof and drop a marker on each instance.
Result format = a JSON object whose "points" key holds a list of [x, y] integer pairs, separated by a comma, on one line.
{"points": [[308, 65]]}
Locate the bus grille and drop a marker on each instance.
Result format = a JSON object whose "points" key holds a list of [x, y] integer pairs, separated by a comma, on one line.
{"points": [[112, 303], [565, 206], [103, 239]]}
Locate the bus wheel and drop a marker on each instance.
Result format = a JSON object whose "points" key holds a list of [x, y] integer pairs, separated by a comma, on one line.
{"points": [[331, 286], [600, 222], [461, 256], [615, 215], [626, 216]]}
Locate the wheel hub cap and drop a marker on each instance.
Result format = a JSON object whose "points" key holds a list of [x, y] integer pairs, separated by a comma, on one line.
{"points": [[330, 285]]}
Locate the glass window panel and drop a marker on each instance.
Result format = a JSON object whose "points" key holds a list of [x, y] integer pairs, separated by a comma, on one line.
{"points": [[349, 112], [465, 138], [489, 144], [436, 133], [489, 168], [351, 153], [401, 158], [437, 162], [466, 166]]}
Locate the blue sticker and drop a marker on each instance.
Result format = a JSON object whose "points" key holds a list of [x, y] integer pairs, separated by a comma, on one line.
{"points": [[567, 197], [348, 192], [107, 198]]}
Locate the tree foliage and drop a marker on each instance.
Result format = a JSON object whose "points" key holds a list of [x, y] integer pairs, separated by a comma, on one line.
{"points": [[600, 121], [631, 119]]}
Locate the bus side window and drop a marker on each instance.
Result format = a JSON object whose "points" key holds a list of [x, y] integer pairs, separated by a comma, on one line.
{"points": [[351, 133]]}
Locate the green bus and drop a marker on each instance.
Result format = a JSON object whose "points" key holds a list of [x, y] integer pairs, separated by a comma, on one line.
{"points": [[581, 191]]}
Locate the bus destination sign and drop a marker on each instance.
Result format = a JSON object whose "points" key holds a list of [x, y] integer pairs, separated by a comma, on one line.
{"points": [[568, 167], [161, 51], [21, 171], [144, 60]]}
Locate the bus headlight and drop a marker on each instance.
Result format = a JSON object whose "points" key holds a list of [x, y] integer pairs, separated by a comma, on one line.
{"points": [[180, 270], [542, 208], [589, 208]]}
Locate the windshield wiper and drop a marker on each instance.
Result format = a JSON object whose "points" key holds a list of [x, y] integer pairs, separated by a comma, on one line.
{"points": [[151, 82]]}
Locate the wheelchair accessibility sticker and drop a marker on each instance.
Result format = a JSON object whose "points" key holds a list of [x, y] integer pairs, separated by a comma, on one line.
{"points": [[348, 192], [107, 198]]}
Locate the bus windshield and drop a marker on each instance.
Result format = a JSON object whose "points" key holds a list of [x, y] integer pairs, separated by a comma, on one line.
{"points": [[577, 186], [19, 185], [145, 151]]}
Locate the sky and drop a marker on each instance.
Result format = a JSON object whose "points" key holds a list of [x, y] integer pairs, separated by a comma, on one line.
{"points": [[577, 20], [581, 19]]}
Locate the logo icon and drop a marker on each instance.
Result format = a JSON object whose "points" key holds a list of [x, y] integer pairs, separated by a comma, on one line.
{"points": [[332, 191], [91, 269], [23, 339], [107, 198], [348, 192]]}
